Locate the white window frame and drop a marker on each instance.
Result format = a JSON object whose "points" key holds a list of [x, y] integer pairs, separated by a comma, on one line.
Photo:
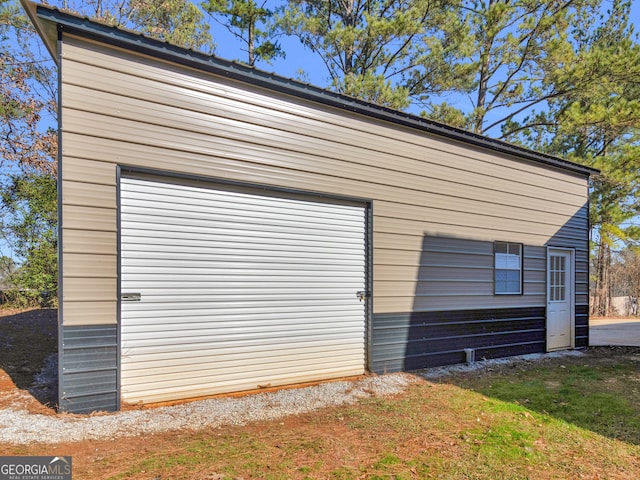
{"points": [[507, 257]]}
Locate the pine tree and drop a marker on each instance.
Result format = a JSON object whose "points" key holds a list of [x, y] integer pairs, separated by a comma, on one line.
{"points": [[251, 24], [597, 123], [509, 53], [366, 46]]}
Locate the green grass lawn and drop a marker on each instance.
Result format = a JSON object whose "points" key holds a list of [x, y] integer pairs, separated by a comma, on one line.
{"points": [[602, 396], [574, 417]]}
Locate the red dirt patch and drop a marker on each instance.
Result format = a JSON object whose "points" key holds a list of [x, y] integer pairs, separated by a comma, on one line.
{"points": [[27, 338]]}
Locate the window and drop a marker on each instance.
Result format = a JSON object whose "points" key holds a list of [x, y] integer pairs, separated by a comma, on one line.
{"points": [[557, 278], [508, 268]]}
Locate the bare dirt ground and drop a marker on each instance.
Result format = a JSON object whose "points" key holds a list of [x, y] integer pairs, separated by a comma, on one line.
{"points": [[28, 367], [28, 377], [28, 360], [320, 437], [28, 364]]}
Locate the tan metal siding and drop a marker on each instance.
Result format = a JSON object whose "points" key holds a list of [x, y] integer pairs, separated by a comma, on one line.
{"points": [[195, 93], [336, 160], [77, 217], [88, 289], [103, 313], [151, 124], [407, 190], [88, 194], [118, 108], [89, 242], [94, 173], [75, 265]]}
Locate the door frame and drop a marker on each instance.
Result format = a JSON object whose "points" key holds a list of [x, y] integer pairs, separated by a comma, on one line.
{"points": [[571, 291], [222, 183]]}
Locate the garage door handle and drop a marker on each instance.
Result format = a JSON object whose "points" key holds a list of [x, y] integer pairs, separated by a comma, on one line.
{"points": [[362, 295], [130, 297]]}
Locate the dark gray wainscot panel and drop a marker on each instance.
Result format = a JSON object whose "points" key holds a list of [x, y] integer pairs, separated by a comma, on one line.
{"points": [[89, 369]]}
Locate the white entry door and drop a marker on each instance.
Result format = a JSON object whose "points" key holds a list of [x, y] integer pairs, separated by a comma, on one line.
{"points": [[560, 299]]}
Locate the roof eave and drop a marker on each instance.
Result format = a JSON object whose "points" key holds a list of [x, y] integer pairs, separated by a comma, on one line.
{"points": [[47, 31], [48, 20]]}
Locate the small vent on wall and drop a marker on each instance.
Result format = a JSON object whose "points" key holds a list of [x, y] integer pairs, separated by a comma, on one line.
{"points": [[471, 355]]}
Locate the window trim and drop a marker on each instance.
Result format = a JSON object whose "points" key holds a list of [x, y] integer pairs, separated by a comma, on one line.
{"points": [[520, 270]]}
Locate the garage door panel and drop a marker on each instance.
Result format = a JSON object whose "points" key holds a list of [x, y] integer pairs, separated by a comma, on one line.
{"points": [[235, 216], [143, 193], [262, 375], [229, 292], [231, 376], [160, 357], [201, 257], [175, 241], [236, 226], [241, 323], [254, 308], [252, 283], [239, 335], [290, 276], [228, 300], [233, 368], [221, 349], [238, 207], [203, 260], [174, 369], [237, 289], [227, 383], [328, 243], [285, 340], [292, 236]]}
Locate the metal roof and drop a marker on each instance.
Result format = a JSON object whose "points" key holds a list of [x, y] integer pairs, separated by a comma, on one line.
{"points": [[49, 22]]}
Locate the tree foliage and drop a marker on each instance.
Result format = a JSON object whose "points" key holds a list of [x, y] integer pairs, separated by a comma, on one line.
{"points": [[29, 226], [559, 76], [367, 46], [510, 55], [597, 122], [7, 267], [28, 146], [625, 273], [27, 96], [251, 23], [179, 22], [176, 21]]}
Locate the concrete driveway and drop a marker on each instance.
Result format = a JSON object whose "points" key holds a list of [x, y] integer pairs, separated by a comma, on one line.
{"points": [[614, 331]]}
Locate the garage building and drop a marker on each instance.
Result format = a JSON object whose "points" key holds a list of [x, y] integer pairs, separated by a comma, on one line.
{"points": [[223, 229]]}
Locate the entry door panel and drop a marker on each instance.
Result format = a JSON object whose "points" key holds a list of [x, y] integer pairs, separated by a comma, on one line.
{"points": [[227, 289], [560, 299]]}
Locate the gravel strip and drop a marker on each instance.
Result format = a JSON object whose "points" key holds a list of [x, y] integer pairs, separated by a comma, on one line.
{"points": [[22, 427], [484, 365]]}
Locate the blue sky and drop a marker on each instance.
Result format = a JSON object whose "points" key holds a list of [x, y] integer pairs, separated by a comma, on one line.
{"points": [[298, 60]]}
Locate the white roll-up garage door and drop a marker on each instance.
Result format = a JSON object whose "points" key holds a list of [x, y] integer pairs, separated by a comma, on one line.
{"points": [[225, 289]]}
